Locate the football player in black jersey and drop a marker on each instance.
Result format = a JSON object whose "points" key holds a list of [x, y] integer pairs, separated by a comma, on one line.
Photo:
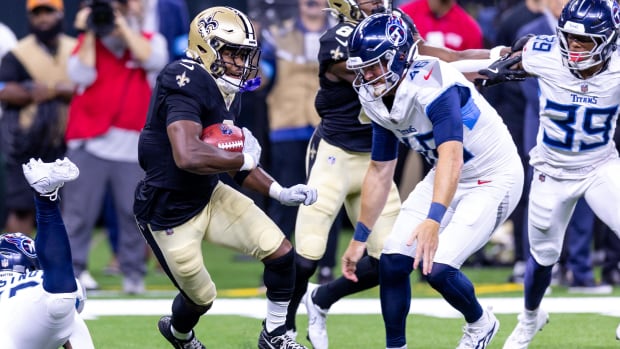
{"points": [[181, 202], [341, 145]]}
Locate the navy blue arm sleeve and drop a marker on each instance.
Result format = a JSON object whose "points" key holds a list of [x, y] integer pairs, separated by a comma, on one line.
{"points": [[445, 115], [384, 144]]}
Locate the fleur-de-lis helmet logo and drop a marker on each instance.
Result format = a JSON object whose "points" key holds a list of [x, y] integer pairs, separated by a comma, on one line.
{"points": [[206, 25]]}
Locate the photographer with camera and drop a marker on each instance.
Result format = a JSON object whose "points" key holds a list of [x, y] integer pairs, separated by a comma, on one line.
{"points": [[109, 66]]}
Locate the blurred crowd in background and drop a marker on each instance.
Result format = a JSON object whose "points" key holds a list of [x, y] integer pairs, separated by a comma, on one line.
{"points": [[53, 106]]}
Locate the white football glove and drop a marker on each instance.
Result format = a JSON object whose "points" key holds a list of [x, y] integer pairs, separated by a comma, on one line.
{"points": [[293, 196], [251, 151]]}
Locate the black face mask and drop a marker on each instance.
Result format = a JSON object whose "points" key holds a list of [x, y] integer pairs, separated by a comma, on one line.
{"points": [[46, 36]]}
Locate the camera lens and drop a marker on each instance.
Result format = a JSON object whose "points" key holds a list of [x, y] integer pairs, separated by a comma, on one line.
{"points": [[101, 18]]}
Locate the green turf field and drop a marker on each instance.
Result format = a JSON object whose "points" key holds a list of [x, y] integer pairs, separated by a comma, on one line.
{"points": [[355, 332], [240, 278]]}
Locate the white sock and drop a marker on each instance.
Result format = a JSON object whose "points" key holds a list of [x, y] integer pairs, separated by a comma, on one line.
{"points": [[179, 335], [276, 315]]}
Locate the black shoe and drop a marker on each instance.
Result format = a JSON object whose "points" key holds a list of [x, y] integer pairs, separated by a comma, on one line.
{"points": [[278, 339], [166, 331]]}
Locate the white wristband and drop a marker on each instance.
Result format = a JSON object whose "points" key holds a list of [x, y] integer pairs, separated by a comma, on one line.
{"points": [[248, 162], [496, 52], [274, 190]]}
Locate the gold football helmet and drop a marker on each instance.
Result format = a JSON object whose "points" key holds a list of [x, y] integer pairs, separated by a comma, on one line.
{"points": [[351, 10], [219, 29], [348, 9]]}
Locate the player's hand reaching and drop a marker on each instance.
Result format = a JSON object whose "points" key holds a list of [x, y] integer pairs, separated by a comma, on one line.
{"points": [[297, 195], [427, 236], [502, 70], [251, 151], [354, 252]]}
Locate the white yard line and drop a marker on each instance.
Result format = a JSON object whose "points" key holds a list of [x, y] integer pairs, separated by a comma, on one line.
{"points": [[256, 307]]}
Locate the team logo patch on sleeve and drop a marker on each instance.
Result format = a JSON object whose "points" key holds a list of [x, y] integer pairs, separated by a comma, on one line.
{"points": [[182, 79]]}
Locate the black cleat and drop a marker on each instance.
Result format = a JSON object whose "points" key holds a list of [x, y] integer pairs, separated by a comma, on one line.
{"points": [[166, 331], [278, 339]]}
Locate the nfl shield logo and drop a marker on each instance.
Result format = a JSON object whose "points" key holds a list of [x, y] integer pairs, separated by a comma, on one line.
{"points": [[584, 88], [541, 177]]}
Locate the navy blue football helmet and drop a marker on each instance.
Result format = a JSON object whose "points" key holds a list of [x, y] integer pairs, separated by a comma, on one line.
{"points": [[382, 41], [17, 254], [597, 20]]}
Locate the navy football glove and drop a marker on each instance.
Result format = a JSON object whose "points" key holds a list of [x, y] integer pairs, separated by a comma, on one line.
{"points": [[499, 71]]}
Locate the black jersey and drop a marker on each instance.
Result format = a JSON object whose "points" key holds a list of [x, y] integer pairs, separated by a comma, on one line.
{"points": [[169, 196], [337, 102]]}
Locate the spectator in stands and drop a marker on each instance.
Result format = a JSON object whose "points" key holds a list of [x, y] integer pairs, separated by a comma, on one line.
{"points": [[35, 93], [110, 66], [444, 23], [171, 19], [7, 42]]}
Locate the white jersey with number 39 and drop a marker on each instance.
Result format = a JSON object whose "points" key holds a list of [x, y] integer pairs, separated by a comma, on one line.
{"points": [[577, 116]]}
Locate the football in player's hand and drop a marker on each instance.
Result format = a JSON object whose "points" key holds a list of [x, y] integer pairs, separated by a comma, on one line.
{"points": [[224, 136]]}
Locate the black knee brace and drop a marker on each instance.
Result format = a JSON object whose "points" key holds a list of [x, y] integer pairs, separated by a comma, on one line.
{"points": [[279, 277], [304, 269]]}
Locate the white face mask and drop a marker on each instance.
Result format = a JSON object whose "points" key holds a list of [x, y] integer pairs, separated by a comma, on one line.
{"points": [[228, 85]]}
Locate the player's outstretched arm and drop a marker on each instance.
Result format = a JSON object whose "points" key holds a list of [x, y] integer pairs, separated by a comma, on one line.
{"points": [[260, 181], [375, 190], [505, 69]]}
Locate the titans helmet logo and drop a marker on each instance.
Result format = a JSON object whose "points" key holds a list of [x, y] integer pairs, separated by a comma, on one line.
{"points": [[26, 246], [395, 31], [615, 13], [206, 25]]}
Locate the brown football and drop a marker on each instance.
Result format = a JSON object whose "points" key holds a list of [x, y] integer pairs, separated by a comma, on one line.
{"points": [[224, 136]]}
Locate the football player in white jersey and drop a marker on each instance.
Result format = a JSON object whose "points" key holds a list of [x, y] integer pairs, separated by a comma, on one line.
{"points": [[575, 155], [341, 144], [37, 285], [475, 183]]}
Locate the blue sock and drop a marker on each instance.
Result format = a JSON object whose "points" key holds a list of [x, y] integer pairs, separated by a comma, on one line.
{"points": [[535, 282], [394, 270], [53, 249], [456, 289]]}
